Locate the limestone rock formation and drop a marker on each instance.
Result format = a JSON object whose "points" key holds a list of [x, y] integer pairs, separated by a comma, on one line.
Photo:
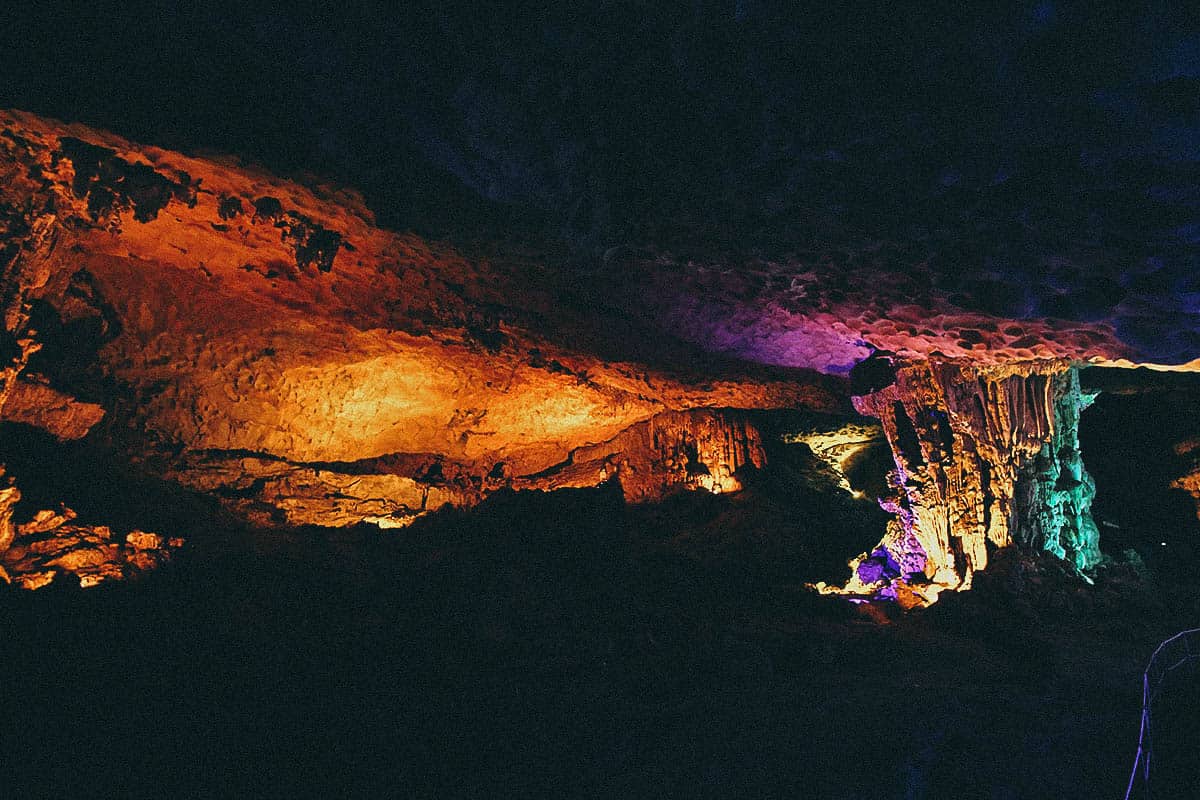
{"points": [[9, 496], [701, 449], [268, 343], [1190, 483], [985, 457], [277, 492], [35, 553], [37, 404], [51, 545]]}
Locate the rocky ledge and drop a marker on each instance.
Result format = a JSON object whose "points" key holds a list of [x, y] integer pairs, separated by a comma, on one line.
{"points": [[52, 547]]}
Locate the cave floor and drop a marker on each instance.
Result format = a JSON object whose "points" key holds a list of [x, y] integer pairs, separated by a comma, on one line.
{"points": [[565, 645]]}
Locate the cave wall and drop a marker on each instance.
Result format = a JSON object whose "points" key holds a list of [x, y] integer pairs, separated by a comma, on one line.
{"points": [[267, 343], [703, 449]]}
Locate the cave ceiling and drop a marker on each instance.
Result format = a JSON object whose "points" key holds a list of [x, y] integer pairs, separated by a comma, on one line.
{"points": [[783, 187]]}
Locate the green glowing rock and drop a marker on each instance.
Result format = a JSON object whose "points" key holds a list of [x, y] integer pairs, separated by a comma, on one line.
{"points": [[1054, 490]]}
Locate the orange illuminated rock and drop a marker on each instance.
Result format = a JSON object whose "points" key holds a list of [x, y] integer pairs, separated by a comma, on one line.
{"points": [[36, 404], [1190, 481], [46, 520], [9, 496], [140, 540], [52, 544], [269, 334], [702, 449]]}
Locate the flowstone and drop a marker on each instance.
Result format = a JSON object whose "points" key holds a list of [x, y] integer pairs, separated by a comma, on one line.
{"points": [[985, 457]]}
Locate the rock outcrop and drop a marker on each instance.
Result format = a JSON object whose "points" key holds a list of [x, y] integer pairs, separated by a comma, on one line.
{"points": [[1054, 490], [10, 495], [1190, 480], [52, 545], [985, 457], [701, 449], [39, 405], [268, 343]]}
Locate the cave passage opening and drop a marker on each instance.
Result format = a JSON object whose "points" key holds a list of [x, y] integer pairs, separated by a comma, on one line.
{"points": [[1136, 441]]}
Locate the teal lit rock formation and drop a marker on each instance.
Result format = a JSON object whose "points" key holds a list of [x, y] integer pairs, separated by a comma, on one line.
{"points": [[1054, 490], [986, 456]]}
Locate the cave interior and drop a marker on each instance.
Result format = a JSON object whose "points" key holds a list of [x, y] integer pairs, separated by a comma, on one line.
{"points": [[603, 401]]}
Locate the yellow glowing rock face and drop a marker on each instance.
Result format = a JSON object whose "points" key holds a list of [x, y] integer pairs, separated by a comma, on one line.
{"points": [[52, 545], [388, 523], [237, 349], [34, 580], [140, 540], [839, 447]]}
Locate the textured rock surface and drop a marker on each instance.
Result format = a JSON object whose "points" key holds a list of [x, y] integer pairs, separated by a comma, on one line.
{"points": [[1190, 483], [829, 312], [9, 496], [35, 553], [51, 546], [1190, 480], [985, 457], [39, 405], [268, 342], [703, 449], [273, 491]]}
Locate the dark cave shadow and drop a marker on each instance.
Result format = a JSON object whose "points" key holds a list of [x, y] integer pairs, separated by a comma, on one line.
{"points": [[1127, 443], [551, 644]]}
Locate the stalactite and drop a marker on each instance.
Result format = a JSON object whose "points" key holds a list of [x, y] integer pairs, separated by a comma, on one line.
{"points": [[1056, 489], [985, 457]]}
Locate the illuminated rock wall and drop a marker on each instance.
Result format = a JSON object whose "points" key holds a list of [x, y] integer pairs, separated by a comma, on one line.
{"points": [[266, 342], [705, 449], [985, 457], [1054, 490]]}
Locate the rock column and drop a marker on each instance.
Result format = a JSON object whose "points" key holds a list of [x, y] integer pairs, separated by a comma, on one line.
{"points": [[985, 457]]}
